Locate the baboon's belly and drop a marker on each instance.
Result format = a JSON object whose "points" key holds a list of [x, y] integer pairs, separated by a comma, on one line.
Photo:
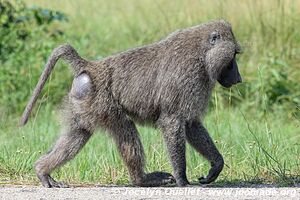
{"points": [[141, 108]]}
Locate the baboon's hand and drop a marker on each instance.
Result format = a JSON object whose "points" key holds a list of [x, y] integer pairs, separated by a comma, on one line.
{"points": [[214, 172]]}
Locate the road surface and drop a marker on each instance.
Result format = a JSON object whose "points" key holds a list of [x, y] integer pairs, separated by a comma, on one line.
{"points": [[107, 193]]}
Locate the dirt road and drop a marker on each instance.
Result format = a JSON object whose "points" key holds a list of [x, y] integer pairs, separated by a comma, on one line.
{"points": [[176, 193]]}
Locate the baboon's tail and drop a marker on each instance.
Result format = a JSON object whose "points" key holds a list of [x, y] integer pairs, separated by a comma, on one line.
{"points": [[66, 52]]}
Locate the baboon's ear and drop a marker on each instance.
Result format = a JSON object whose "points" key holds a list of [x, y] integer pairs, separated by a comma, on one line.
{"points": [[214, 38]]}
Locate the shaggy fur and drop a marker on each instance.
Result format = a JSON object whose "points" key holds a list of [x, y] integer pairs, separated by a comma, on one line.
{"points": [[166, 84]]}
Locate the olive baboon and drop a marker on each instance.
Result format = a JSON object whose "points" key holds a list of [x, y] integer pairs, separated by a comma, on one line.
{"points": [[166, 84]]}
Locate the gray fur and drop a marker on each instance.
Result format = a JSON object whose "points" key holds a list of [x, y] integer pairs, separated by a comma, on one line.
{"points": [[166, 84]]}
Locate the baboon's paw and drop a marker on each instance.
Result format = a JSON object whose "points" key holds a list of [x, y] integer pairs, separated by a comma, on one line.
{"points": [[213, 172], [57, 184], [182, 182], [49, 182], [204, 180], [155, 179]]}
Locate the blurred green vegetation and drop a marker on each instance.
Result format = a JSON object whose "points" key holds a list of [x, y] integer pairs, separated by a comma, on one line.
{"points": [[26, 38], [255, 123]]}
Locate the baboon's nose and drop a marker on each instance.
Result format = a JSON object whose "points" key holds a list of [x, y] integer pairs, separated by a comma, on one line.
{"points": [[239, 79]]}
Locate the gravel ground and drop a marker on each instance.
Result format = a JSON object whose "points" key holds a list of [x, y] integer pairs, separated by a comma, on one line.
{"points": [[107, 193]]}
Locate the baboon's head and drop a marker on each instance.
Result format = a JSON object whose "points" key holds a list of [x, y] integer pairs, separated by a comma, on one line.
{"points": [[222, 50]]}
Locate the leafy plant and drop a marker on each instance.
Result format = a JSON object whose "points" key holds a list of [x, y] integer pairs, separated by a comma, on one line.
{"points": [[26, 37]]}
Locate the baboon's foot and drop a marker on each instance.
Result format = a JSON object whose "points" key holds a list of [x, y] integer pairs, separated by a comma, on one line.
{"points": [[49, 182], [214, 172], [155, 179]]}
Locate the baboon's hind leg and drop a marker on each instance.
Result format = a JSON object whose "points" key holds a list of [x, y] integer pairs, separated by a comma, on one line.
{"points": [[67, 146], [131, 149], [76, 135], [199, 138]]}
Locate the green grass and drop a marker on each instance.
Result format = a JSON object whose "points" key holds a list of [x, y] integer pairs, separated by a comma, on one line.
{"points": [[255, 125], [255, 150]]}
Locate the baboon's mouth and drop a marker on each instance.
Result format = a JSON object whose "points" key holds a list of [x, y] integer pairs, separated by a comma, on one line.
{"points": [[225, 84]]}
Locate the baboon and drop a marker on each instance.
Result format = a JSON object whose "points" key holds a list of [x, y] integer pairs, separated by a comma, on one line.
{"points": [[166, 84]]}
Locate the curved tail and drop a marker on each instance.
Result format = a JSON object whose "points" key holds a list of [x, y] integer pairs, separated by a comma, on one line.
{"points": [[66, 52]]}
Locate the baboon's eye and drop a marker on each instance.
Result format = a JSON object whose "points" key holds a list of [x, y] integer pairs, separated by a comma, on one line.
{"points": [[214, 37]]}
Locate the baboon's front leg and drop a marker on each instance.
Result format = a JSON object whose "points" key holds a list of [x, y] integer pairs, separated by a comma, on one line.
{"points": [[174, 135], [199, 138], [67, 146], [131, 150]]}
